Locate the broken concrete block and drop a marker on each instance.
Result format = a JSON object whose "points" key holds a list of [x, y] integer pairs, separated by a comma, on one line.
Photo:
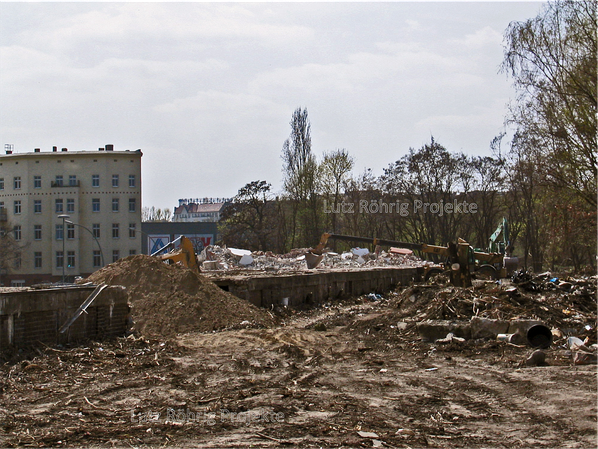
{"points": [[432, 330], [210, 265], [487, 328], [584, 358], [521, 326]]}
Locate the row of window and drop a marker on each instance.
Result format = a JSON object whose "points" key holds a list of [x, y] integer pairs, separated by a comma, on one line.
{"points": [[70, 231], [70, 258], [59, 181], [70, 205]]}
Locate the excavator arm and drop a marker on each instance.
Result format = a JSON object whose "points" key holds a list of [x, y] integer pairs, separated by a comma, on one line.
{"points": [[184, 254]]}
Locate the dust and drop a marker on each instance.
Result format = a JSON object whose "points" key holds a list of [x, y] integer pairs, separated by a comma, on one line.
{"points": [[167, 300]]}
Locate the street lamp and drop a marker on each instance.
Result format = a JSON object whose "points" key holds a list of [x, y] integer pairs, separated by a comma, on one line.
{"points": [[64, 217], [93, 236]]}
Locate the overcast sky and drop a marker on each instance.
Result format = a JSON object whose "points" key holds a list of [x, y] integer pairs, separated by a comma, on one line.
{"points": [[207, 90]]}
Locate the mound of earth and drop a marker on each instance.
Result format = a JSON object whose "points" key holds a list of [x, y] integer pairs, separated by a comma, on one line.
{"points": [[167, 300]]}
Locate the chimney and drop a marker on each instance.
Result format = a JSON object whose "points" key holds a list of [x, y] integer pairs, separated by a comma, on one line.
{"points": [[55, 149], [37, 150], [109, 147]]}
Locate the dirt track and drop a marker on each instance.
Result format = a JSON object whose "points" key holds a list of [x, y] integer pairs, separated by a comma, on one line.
{"points": [[294, 385]]}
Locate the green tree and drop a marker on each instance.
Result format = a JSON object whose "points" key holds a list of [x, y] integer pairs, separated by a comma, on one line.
{"points": [[301, 181], [248, 220]]}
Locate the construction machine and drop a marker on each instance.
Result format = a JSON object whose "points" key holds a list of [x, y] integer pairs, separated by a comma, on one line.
{"points": [[184, 254], [461, 258]]}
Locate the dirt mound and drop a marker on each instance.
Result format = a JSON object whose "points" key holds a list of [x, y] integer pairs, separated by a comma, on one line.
{"points": [[170, 299]]}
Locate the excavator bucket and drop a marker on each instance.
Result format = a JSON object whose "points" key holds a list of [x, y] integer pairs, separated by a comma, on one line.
{"points": [[313, 260]]}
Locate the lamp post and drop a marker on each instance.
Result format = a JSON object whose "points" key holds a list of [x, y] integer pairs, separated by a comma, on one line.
{"points": [[64, 217], [93, 236]]}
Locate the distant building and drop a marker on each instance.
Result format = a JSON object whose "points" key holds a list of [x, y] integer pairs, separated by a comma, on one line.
{"points": [[68, 212], [206, 210]]}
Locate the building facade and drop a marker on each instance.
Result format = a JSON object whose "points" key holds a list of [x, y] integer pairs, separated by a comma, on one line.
{"points": [[67, 213], [206, 210]]}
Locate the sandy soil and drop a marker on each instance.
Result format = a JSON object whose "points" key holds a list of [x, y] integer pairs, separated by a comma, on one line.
{"points": [[356, 381]]}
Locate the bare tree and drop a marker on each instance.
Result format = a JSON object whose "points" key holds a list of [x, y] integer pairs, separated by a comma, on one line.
{"points": [[552, 60]]}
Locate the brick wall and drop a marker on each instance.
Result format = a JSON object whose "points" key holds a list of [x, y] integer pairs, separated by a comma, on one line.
{"points": [[28, 317]]}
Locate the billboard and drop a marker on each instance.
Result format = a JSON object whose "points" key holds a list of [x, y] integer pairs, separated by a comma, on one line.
{"points": [[200, 241], [157, 241]]}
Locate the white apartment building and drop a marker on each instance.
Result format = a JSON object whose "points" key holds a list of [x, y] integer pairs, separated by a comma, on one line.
{"points": [[68, 213]]}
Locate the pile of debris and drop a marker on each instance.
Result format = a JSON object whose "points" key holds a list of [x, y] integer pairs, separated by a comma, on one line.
{"points": [[215, 257], [169, 299], [556, 311]]}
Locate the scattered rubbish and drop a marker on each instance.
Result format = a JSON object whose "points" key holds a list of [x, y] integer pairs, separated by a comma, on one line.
{"points": [[574, 343], [585, 358], [515, 339], [408, 432], [537, 358], [374, 296], [367, 434], [320, 327], [450, 338], [245, 260], [360, 251]]}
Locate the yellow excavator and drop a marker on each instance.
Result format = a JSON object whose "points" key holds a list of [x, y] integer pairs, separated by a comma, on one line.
{"points": [[184, 254], [461, 258]]}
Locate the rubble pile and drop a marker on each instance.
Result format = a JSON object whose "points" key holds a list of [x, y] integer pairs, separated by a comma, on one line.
{"points": [[221, 258], [569, 305], [564, 309], [169, 299]]}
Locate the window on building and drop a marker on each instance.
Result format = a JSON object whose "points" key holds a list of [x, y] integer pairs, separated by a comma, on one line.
{"points": [[95, 229], [37, 206], [70, 205], [95, 180], [132, 252], [37, 232], [58, 181], [132, 204], [70, 231], [1, 183], [58, 206], [37, 259], [114, 180], [17, 182], [70, 259], [37, 182], [132, 230], [114, 204], [59, 259], [16, 231], [17, 260], [95, 204], [72, 180], [115, 229], [115, 255], [132, 181], [97, 258], [17, 205], [59, 232]]}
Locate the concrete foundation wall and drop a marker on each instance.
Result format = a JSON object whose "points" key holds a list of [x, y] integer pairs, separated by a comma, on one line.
{"points": [[32, 316], [310, 288]]}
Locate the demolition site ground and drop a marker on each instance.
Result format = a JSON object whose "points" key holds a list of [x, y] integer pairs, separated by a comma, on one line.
{"points": [[352, 373]]}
